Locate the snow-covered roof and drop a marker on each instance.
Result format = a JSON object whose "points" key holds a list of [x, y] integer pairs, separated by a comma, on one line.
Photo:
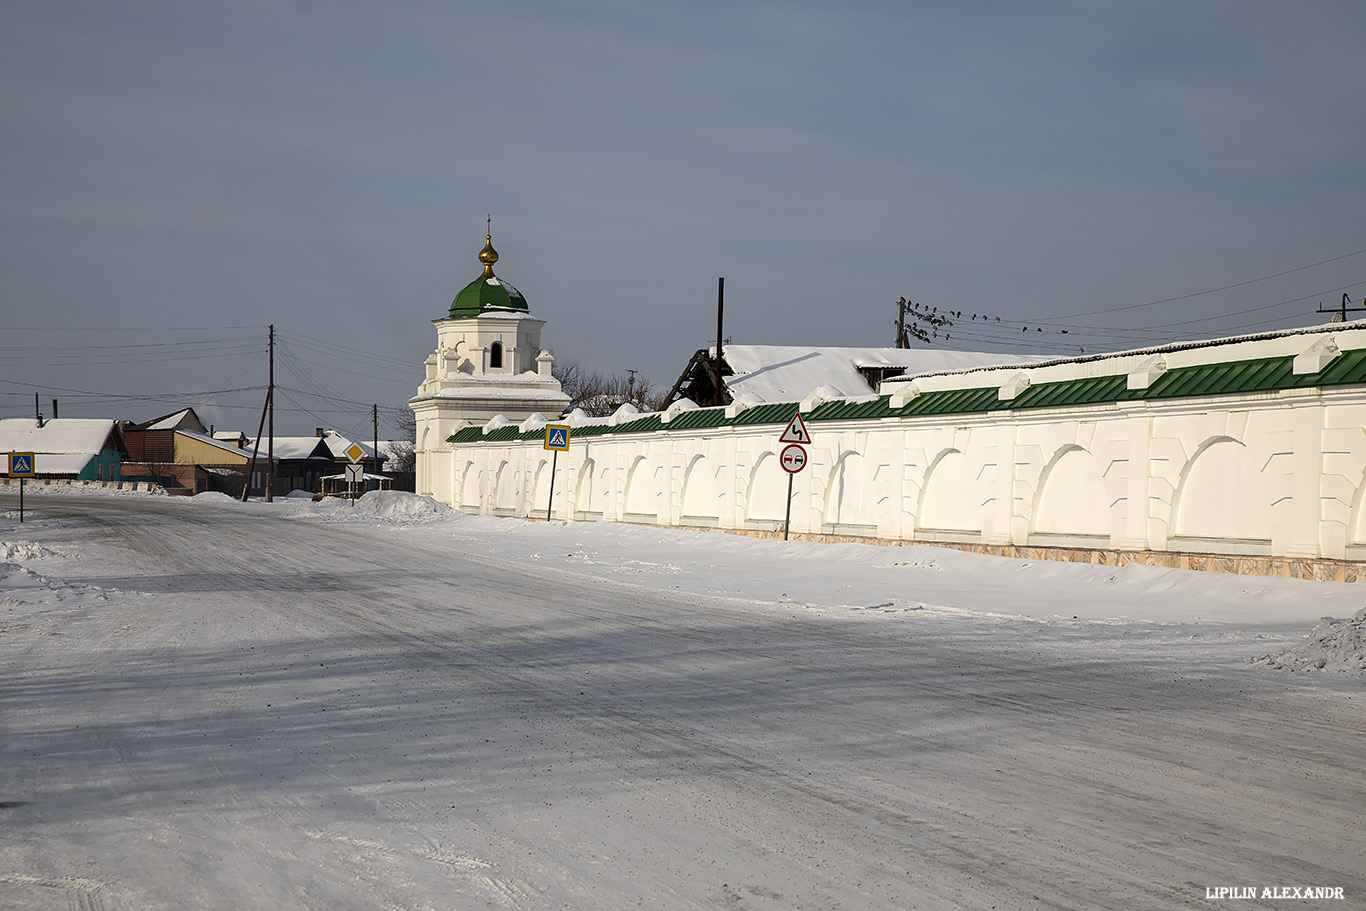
{"points": [[73, 436], [331, 446], [779, 373], [293, 447], [185, 417]]}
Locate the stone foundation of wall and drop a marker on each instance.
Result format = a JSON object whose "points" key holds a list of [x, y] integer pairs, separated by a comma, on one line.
{"points": [[1316, 570]]}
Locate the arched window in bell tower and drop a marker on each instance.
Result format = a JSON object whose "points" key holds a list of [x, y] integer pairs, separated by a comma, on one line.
{"points": [[496, 356]]}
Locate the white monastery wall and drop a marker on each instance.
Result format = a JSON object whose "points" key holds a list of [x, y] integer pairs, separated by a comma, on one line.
{"points": [[1280, 475], [1267, 474]]}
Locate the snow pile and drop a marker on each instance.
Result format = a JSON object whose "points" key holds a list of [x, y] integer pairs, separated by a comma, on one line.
{"points": [[21, 587], [1333, 645], [385, 506], [11, 551], [213, 496]]}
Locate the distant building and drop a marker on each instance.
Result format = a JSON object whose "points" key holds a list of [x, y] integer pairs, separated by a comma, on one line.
{"points": [[301, 463], [177, 452], [76, 449]]}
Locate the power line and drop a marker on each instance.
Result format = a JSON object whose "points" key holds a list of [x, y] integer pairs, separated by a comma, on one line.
{"points": [[1182, 297]]}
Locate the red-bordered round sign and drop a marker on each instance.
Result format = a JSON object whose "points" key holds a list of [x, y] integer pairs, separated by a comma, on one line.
{"points": [[793, 458]]}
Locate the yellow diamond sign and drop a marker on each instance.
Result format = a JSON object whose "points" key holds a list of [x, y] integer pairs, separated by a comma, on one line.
{"points": [[355, 452]]}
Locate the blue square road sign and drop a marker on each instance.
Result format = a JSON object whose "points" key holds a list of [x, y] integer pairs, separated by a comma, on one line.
{"points": [[557, 437], [21, 464]]}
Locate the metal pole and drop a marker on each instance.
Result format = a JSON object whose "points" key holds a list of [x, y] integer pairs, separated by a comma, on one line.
{"points": [[251, 467], [554, 460], [21, 500], [374, 416], [787, 521], [720, 309], [270, 401]]}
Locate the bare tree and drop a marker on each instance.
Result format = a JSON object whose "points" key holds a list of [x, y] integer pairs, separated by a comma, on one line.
{"points": [[403, 452], [600, 394]]}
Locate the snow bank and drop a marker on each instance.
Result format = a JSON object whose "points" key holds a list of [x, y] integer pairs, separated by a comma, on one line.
{"points": [[89, 488], [385, 506], [11, 551], [1333, 645]]}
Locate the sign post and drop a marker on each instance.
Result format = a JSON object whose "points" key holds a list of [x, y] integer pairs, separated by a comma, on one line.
{"points": [[556, 441], [21, 465], [355, 471], [793, 459]]}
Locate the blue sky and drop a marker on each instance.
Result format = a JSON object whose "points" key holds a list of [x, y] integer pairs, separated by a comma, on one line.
{"points": [[173, 169]]}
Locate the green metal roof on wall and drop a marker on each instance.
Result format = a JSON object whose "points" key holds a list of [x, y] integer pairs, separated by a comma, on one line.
{"points": [[1228, 378], [1349, 368]]}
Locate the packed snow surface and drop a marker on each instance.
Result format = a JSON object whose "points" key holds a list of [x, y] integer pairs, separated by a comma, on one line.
{"points": [[390, 704]]}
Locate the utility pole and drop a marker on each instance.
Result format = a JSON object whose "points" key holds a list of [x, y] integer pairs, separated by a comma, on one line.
{"points": [[270, 402], [266, 408], [901, 307], [374, 416], [720, 309]]}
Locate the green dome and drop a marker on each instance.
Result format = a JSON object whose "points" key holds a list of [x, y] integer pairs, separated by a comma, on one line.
{"points": [[487, 292]]}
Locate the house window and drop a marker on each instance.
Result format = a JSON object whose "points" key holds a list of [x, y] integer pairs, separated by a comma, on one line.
{"points": [[496, 356]]}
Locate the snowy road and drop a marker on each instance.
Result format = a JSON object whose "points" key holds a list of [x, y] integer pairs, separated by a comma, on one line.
{"points": [[206, 705]]}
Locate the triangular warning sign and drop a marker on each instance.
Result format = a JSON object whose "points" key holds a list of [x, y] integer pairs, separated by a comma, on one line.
{"points": [[796, 431], [557, 437]]}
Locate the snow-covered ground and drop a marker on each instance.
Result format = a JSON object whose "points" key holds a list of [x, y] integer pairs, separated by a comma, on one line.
{"points": [[209, 704]]}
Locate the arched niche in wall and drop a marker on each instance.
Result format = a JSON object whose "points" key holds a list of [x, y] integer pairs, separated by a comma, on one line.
{"points": [[1356, 532], [424, 480], [766, 500], [1220, 495], [496, 356], [505, 490], [590, 496], [1073, 498], [642, 491], [851, 498], [701, 492], [540, 490], [949, 500], [471, 493]]}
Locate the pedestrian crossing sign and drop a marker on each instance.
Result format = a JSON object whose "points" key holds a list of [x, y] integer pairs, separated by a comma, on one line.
{"points": [[557, 437], [21, 464]]}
